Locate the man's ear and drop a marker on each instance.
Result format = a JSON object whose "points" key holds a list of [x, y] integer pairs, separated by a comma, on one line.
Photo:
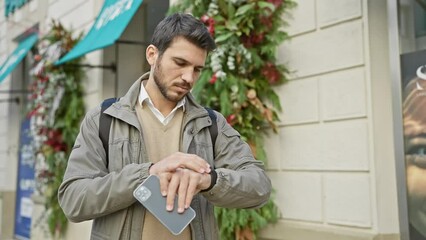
{"points": [[151, 54]]}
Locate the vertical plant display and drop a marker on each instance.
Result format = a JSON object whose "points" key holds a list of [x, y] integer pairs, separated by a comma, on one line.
{"points": [[238, 81], [55, 107]]}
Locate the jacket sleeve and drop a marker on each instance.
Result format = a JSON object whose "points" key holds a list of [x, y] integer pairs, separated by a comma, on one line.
{"points": [[241, 179], [88, 190]]}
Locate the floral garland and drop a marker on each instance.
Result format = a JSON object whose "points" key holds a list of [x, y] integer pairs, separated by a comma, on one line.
{"points": [[238, 81], [55, 107]]}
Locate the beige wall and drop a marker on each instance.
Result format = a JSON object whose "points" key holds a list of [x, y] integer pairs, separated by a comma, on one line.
{"points": [[332, 162]]}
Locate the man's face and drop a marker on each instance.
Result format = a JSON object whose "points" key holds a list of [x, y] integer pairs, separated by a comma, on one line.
{"points": [[178, 68]]}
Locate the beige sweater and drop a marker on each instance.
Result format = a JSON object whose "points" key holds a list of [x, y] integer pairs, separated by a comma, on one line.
{"points": [[160, 141]]}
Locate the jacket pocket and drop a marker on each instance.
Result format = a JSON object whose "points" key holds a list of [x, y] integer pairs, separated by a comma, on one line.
{"points": [[230, 132], [122, 153], [110, 226], [115, 157], [202, 148]]}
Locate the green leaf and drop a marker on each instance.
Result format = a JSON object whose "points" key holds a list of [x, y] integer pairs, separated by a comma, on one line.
{"points": [[275, 100], [244, 9], [231, 9], [225, 105], [224, 37], [220, 28], [201, 83], [264, 5], [223, 7], [232, 25]]}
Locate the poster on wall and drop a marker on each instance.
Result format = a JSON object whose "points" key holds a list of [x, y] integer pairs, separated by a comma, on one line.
{"points": [[25, 184], [413, 71]]}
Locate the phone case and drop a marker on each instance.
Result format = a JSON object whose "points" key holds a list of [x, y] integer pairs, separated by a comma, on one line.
{"points": [[148, 194]]}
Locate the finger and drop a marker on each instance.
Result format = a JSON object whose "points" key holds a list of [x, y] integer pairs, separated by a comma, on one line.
{"points": [[171, 191], [193, 162], [183, 186], [205, 166], [164, 183], [180, 160], [191, 191]]}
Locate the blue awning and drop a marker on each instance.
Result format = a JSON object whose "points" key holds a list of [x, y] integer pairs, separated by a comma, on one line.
{"points": [[12, 5], [108, 27], [16, 57]]}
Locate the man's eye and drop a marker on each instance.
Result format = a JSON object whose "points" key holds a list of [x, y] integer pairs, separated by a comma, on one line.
{"points": [[421, 151], [180, 64], [417, 150]]}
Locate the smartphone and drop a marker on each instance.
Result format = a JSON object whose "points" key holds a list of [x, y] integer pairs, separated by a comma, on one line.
{"points": [[149, 195]]}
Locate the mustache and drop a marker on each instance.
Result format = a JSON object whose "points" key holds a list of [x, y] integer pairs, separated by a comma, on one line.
{"points": [[184, 85]]}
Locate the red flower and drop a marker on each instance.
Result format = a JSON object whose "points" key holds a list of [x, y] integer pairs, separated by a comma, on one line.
{"points": [[43, 79], [37, 57], [231, 118], [213, 79], [266, 21], [32, 96], [209, 22], [45, 174], [211, 29], [253, 39], [271, 73], [54, 134], [60, 147], [258, 38], [42, 131], [54, 140], [33, 112], [204, 19]]}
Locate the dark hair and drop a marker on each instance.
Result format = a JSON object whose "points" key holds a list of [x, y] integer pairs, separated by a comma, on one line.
{"points": [[182, 25]]}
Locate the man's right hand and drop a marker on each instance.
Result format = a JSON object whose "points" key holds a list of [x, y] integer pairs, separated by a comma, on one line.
{"points": [[176, 169], [180, 160]]}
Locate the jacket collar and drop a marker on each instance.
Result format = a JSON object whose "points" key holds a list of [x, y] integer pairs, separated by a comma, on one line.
{"points": [[124, 109], [130, 99], [193, 108]]}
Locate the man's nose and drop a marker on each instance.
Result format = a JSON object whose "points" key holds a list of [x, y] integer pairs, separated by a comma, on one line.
{"points": [[188, 76]]}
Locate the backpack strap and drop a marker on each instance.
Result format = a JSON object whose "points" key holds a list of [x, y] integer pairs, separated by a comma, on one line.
{"points": [[213, 127], [105, 125]]}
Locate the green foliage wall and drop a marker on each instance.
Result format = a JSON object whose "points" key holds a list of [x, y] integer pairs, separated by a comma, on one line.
{"points": [[239, 81], [56, 108]]}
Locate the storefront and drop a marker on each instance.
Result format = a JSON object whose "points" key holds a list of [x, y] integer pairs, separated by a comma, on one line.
{"points": [[114, 51], [408, 59]]}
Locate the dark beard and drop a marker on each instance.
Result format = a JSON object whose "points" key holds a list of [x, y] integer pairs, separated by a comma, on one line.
{"points": [[162, 87]]}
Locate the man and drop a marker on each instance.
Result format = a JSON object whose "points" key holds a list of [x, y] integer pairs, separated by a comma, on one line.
{"points": [[159, 129], [414, 108]]}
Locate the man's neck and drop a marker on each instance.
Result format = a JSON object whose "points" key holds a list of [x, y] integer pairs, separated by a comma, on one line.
{"points": [[158, 100]]}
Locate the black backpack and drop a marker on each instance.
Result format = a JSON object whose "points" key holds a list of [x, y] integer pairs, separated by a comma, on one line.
{"points": [[105, 125]]}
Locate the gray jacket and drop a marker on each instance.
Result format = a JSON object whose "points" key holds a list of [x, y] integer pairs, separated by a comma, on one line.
{"points": [[90, 190]]}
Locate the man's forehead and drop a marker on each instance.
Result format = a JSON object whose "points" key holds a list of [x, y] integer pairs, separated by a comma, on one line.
{"points": [[182, 49]]}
